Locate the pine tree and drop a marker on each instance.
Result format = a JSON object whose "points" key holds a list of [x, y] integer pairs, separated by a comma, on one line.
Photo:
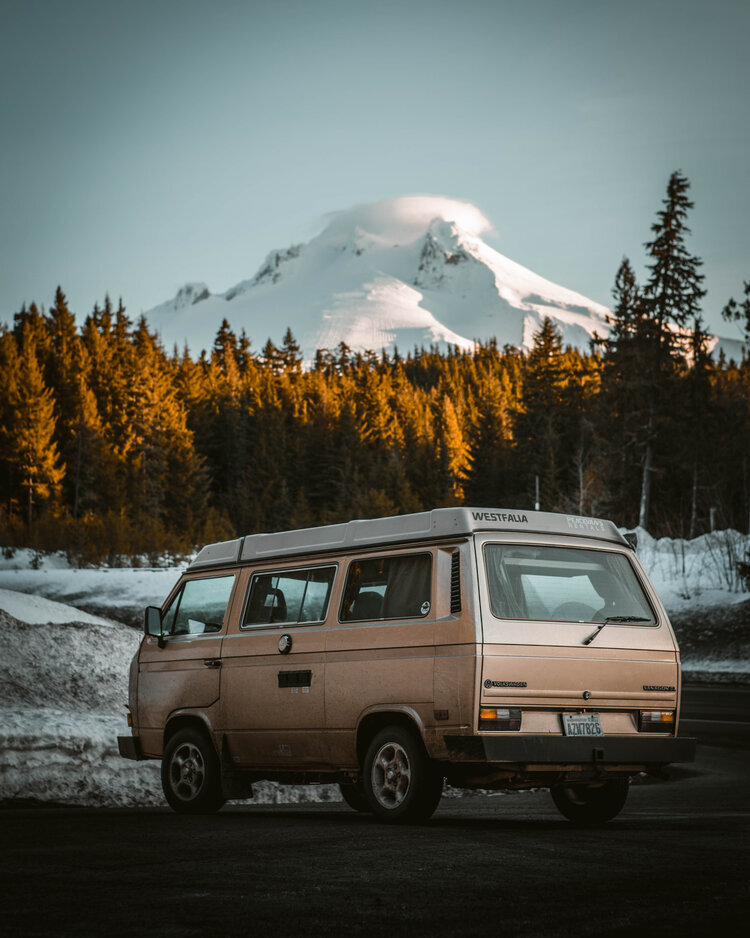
{"points": [[290, 354], [30, 434], [671, 298], [489, 440], [624, 404], [539, 427], [674, 290], [453, 449]]}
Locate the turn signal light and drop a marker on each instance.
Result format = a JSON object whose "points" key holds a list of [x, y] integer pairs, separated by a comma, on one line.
{"points": [[656, 721], [499, 718]]}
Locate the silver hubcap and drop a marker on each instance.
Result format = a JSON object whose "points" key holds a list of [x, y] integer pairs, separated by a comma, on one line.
{"points": [[187, 771], [391, 775]]}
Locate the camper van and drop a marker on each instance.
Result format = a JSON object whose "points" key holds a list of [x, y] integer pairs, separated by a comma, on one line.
{"points": [[491, 649]]}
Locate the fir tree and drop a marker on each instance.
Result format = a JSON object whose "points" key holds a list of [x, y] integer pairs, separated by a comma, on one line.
{"points": [[290, 354], [674, 290], [489, 441], [671, 298], [539, 426], [30, 434]]}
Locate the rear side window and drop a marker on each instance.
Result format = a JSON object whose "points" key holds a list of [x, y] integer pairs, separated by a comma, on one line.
{"points": [[199, 607], [289, 596], [388, 588]]}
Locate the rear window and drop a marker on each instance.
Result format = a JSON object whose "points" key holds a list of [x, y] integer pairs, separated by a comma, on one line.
{"points": [[388, 588], [564, 584]]}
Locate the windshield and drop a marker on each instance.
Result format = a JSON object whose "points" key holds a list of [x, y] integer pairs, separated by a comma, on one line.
{"points": [[564, 584]]}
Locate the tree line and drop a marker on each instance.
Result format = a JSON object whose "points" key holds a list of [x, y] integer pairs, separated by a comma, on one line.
{"points": [[111, 446]]}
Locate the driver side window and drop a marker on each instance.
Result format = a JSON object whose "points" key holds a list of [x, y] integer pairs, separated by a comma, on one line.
{"points": [[199, 607]]}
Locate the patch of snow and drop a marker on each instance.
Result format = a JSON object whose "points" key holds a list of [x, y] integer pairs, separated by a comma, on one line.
{"points": [[698, 572], [725, 669], [70, 757], [34, 610], [120, 593], [63, 690]]}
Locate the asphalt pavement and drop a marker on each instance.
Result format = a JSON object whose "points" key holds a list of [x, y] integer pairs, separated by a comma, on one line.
{"points": [[673, 863]]}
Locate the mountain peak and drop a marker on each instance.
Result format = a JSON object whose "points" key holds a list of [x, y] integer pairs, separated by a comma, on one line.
{"points": [[409, 271], [404, 220]]}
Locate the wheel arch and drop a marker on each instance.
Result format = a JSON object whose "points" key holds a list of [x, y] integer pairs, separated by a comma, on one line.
{"points": [[377, 718], [186, 720]]}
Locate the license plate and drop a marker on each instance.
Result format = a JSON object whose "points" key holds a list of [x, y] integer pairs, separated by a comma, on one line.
{"points": [[582, 724]]}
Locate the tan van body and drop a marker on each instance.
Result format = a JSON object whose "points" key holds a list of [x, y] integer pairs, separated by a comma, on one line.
{"points": [[483, 676]]}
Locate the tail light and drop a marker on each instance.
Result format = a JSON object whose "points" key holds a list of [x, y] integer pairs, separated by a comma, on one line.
{"points": [[656, 721], [500, 718]]}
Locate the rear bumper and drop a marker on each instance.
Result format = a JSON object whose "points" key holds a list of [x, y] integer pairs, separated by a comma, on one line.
{"points": [[130, 747], [565, 750]]}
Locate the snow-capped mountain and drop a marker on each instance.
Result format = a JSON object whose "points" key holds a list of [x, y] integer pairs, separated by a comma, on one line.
{"points": [[404, 272], [412, 271]]}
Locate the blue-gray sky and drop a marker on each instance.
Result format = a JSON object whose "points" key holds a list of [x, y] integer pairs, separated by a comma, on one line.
{"points": [[147, 143]]}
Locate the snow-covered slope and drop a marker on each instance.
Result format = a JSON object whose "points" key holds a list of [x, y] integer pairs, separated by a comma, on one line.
{"points": [[63, 690], [404, 272]]}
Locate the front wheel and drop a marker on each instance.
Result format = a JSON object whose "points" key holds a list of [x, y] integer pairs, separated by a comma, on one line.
{"points": [[191, 774], [400, 783], [591, 805]]}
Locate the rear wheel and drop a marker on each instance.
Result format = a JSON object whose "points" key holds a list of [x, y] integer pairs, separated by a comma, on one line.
{"points": [[400, 783], [353, 794], [191, 774], [591, 805]]}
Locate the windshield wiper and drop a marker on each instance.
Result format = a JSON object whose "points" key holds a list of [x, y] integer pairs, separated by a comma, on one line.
{"points": [[590, 639]]}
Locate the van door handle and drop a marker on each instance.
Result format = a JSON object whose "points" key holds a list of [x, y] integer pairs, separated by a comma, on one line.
{"points": [[212, 662]]}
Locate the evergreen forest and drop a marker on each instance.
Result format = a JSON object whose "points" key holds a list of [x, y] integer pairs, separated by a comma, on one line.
{"points": [[112, 446]]}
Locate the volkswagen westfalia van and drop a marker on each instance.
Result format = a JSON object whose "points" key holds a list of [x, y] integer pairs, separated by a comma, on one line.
{"points": [[489, 648]]}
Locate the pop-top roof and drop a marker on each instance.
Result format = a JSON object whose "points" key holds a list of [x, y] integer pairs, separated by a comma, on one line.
{"points": [[401, 529]]}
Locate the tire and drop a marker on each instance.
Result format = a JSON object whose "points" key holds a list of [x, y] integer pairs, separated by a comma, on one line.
{"points": [[400, 784], [191, 774], [591, 805], [353, 794]]}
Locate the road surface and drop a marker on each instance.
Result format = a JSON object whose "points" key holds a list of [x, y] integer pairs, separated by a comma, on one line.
{"points": [[673, 863]]}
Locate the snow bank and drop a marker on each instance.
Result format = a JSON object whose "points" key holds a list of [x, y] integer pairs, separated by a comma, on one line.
{"points": [[64, 757], [120, 593], [701, 571], [709, 608], [33, 610], [70, 757], [63, 690]]}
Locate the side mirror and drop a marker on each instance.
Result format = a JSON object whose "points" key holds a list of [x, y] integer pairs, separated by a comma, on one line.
{"points": [[152, 623]]}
